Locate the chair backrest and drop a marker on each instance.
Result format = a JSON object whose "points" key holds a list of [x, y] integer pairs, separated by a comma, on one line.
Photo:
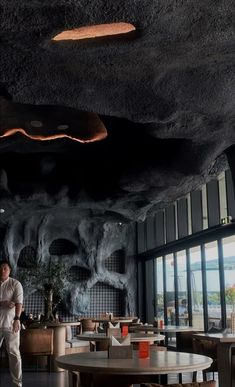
{"points": [[205, 347], [87, 325], [184, 341], [210, 383], [36, 341]]}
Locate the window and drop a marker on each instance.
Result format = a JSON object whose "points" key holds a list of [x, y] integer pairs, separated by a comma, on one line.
{"points": [[213, 284]]}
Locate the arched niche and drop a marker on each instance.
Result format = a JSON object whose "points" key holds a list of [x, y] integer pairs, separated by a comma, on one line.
{"points": [[79, 274], [62, 246], [106, 298], [27, 258], [116, 262]]}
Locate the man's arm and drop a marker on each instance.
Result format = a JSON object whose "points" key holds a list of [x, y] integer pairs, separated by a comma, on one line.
{"points": [[16, 322], [18, 299], [18, 310], [7, 304]]}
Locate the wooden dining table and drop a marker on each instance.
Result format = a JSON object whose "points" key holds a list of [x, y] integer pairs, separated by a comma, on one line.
{"points": [[166, 329], [134, 337], [113, 320], [97, 370], [225, 343]]}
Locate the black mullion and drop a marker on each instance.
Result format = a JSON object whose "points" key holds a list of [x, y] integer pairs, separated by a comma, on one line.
{"points": [[204, 287], [164, 288], [176, 289], [189, 287], [164, 296], [222, 283], [155, 286]]}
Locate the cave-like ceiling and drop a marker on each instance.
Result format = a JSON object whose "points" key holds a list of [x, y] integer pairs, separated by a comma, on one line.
{"points": [[129, 122]]}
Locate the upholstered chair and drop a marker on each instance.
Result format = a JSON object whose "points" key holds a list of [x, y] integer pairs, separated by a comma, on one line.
{"points": [[37, 342], [87, 325]]}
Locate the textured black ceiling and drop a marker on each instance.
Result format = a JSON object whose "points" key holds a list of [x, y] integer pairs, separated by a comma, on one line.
{"points": [[165, 93]]}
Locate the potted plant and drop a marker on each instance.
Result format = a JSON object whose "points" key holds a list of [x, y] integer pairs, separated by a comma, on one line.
{"points": [[51, 279]]}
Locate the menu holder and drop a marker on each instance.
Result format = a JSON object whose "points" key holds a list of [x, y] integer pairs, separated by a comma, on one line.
{"points": [[120, 352]]}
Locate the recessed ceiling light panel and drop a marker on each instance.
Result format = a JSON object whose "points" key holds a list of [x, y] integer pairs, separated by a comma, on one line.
{"points": [[95, 31]]}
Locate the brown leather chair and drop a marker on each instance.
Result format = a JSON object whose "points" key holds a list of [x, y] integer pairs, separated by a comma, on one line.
{"points": [[210, 383], [87, 325], [37, 342]]}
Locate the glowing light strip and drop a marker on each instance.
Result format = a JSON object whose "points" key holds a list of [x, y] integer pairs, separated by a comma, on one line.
{"points": [[37, 137], [94, 31]]}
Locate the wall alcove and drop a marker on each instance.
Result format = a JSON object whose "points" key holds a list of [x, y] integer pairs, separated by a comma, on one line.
{"points": [[116, 261]]}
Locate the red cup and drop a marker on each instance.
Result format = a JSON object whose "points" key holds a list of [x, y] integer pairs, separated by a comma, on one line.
{"points": [[144, 349], [125, 330]]}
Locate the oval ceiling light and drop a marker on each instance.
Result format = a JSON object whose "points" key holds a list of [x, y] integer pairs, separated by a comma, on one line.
{"points": [[95, 31], [36, 124], [62, 127]]}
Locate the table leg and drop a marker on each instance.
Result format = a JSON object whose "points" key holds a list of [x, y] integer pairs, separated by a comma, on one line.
{"points": [[74, 379]]}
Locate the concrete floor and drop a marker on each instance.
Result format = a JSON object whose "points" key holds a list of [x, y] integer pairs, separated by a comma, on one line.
{"points": [[60, 379]]}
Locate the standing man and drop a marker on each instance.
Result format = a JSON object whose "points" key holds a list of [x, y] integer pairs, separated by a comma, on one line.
{"points": [[11, 300]]}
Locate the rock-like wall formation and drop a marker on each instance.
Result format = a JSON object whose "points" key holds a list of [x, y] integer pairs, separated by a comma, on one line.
{"points": [[86, 245]]}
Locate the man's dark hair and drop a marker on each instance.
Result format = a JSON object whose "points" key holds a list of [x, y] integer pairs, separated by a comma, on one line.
{"points": [[5, 262]]}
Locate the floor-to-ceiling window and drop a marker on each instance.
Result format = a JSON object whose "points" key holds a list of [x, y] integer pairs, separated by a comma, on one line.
{"points": [[170, 288], [212, 284], [194, 257], [196, 285], [159, 307], [182, 289], [228, 245]]}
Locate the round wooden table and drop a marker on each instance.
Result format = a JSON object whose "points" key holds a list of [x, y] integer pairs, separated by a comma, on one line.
{"points": [[134, 337], [165, 328], [98, 370]]}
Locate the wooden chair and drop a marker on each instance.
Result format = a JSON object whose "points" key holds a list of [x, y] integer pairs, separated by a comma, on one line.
{"points": [[87, 325], [37, 342], [210, 383], [184, 343], [206, 348]]}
